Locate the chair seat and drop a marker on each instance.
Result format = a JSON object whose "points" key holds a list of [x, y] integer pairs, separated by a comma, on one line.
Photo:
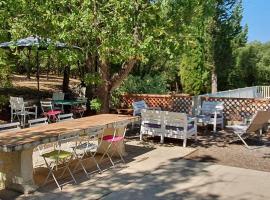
{"points": [[53, 112], [55, 155], [240, 128], [110, 138]]}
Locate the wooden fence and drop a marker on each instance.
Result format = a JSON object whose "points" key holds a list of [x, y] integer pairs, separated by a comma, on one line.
{"points": [[235, 109]]}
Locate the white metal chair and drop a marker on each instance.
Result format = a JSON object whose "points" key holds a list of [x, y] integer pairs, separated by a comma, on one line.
{"points": [[88, 147], [10, 127], [151, 124], [49, 111], [138, 106], [257, 123], [211, 113], [65, 117], [58, 96], [113, 140], [60, 159], [179, 125], [20, 110]]}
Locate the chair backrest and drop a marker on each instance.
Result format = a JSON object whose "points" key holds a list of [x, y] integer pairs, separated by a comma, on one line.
{"points": [[65, 117], [38, 122], [210, 107], [10, 127], [138, 106], [258, 121], [65, 141], [16, 103], [175, 119], [46, 106], [152, 116], [58, 96]]}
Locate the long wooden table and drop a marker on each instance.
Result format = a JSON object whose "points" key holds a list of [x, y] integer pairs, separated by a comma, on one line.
{"points": [[16, 147]]}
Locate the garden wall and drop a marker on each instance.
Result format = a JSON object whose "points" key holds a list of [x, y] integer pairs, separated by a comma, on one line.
{"points": [[235, 109]]}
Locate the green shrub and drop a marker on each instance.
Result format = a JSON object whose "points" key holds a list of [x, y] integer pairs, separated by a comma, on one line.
{"points": [[95, 104]]}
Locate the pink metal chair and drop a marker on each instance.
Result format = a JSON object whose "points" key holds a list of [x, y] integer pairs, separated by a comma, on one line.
{"points": [[48, 111], [113, 140]]}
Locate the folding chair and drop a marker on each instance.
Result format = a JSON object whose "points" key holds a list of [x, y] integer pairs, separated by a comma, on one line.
{"points": [[88, 148], [10, 127], [79, 108], [256, 124], [65, 117], [49, 111], [58, 96], [39, 148], [113, 140], [60, 159]]}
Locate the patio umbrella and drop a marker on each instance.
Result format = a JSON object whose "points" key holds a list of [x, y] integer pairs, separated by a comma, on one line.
{"points": [[38, 43]]}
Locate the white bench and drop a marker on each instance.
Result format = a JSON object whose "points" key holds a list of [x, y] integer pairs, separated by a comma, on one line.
{"points": [[168, 124]]}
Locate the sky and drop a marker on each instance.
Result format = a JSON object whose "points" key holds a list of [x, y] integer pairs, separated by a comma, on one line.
{"points": [[257, 16]]}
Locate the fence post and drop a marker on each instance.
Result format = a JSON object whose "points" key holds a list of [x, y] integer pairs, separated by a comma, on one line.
{"points": [[196, 103]]}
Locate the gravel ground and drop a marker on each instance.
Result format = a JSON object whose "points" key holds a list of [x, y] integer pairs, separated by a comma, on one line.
{"points": [[225, 149]]}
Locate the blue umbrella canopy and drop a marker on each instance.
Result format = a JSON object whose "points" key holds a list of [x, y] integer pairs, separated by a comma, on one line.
{"points": [[33, 42]]}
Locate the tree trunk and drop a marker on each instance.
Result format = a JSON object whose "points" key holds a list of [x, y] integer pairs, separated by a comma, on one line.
{"points": [[103, 90], [28, 68], [66, 78], [214, 81]]}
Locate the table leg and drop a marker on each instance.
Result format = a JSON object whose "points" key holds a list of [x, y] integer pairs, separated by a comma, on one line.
{"points": [[16, 171]]}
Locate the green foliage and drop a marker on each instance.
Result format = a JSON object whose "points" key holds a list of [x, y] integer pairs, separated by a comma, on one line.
{"points": [[156, 84], [3, 101], [91, 79], [4, 71], [95, 104]]}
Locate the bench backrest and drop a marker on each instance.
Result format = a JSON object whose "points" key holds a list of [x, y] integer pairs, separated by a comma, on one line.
{"points": [[210, 107], [138, 106], [175, 119], [38, 122], [10, 127], [152, 116], [65, 117]]}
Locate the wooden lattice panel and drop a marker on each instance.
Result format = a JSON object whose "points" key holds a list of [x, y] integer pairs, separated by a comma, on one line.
{"points": [[182, 104], [177, 103], [236, 109]]}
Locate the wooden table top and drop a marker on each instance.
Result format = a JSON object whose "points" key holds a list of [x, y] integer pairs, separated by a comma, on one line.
{"points": [[32, 137]]}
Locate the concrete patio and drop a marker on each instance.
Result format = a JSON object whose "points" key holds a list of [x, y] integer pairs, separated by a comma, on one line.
{"points": [[156, 171]]}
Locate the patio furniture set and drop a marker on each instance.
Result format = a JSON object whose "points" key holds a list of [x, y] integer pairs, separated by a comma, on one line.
{"points": [[155, 122], [72, 139], [177, 125], [53, 110]]}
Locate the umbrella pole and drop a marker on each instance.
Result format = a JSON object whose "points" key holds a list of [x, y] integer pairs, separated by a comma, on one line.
{"points": [[37, 60]]}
